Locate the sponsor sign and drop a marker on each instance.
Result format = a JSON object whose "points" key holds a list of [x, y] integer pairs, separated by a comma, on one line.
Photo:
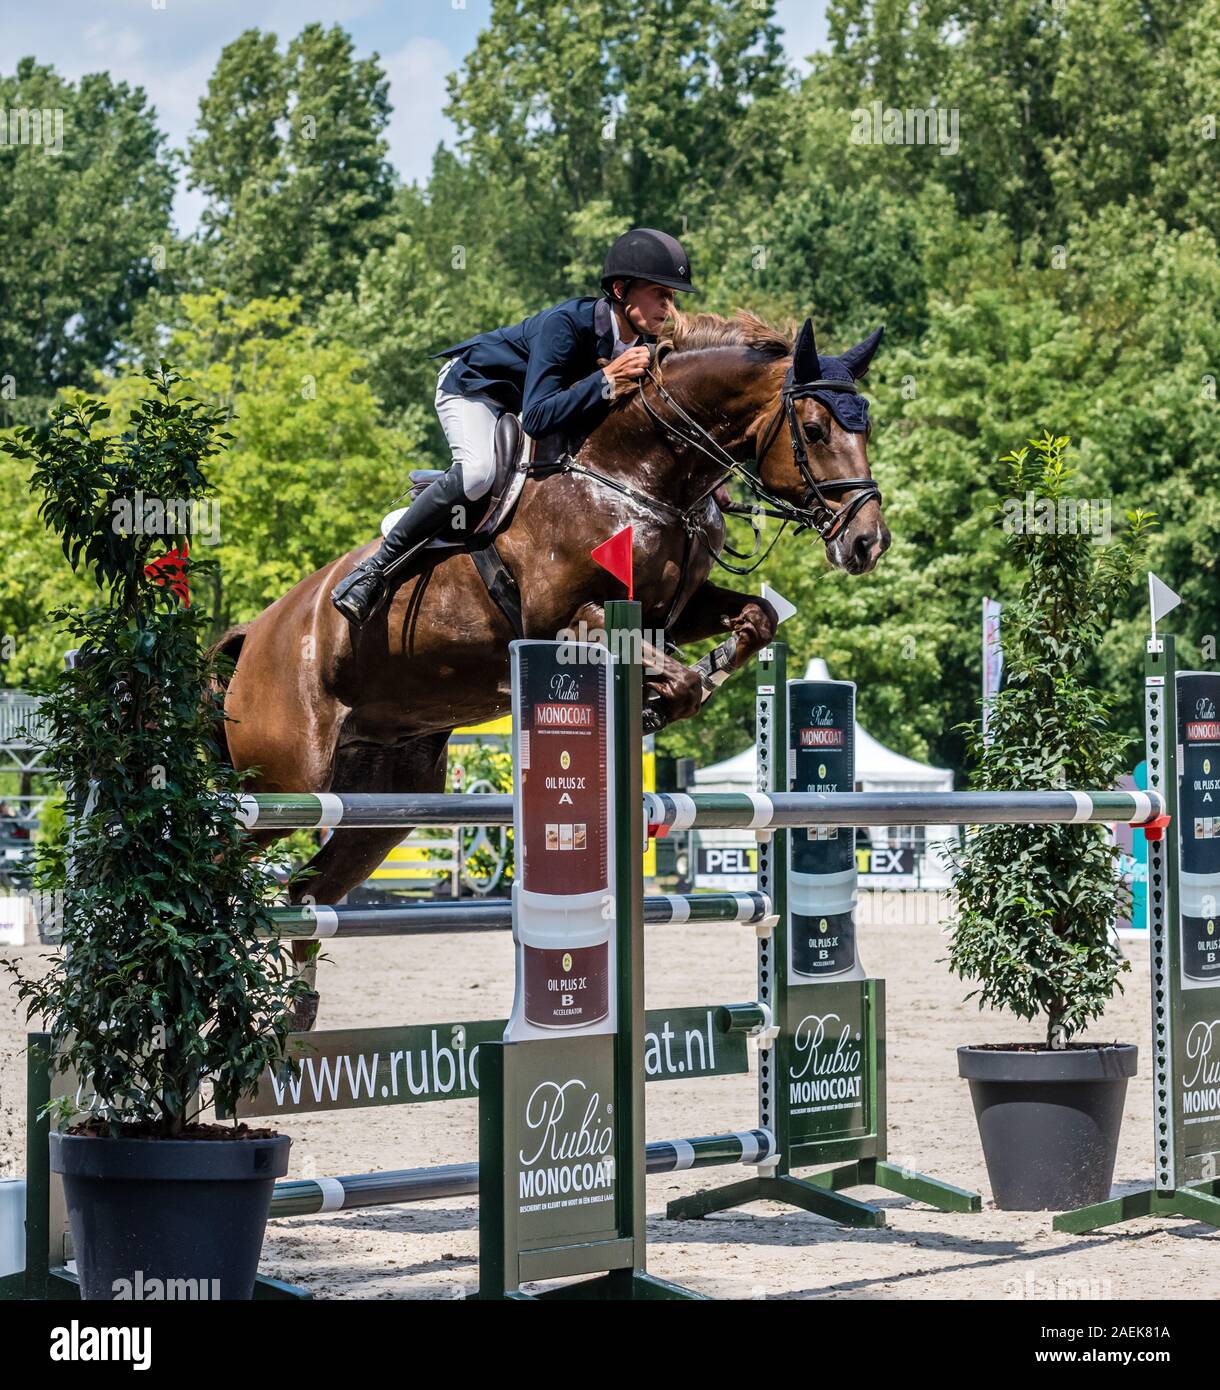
{"points": [[1199, 821], [561, 1177], [1196, 1036], [350, 1069], [823, 1062], [730, 868], [563, 920], [885, 860]]}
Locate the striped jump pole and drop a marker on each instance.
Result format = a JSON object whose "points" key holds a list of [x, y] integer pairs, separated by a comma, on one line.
{"points": [[798, 810], [317, 922], [306, 1196], [370, 810], [712, 810]]}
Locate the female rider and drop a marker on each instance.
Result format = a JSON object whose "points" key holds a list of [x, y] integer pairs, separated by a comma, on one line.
{"points": [[558, 370]]}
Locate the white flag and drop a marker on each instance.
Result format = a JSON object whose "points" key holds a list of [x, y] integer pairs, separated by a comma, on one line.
{"points": [[783, 609], [1161, 598]]}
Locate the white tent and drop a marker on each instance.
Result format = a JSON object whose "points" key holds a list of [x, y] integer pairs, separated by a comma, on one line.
{"points": [[878, 769]]}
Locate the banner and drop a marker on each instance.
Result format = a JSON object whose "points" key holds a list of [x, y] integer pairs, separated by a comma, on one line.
{"points": [[993, 657]]}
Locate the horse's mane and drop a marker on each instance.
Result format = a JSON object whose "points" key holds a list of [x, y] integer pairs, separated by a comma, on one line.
{"points": [[690, 332], [696, 332]]}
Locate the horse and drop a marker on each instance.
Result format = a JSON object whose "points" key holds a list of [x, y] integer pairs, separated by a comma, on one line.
{"points": [[314, 705]]}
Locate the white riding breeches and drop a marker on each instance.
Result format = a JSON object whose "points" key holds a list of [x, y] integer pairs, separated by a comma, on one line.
{"points": [[469, 423]]}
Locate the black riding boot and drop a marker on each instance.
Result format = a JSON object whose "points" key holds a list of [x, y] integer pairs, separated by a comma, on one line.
{"points": [[358, 595]]}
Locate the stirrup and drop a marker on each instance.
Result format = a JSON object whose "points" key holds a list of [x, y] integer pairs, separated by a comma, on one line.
{"points": [[358, 573]]}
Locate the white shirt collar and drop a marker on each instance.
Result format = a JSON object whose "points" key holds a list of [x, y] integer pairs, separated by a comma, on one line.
{"points": [[620, 344]]}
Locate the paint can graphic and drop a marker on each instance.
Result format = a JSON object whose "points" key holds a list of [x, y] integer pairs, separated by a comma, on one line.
{"points": [[563, 920], [822, 859]]}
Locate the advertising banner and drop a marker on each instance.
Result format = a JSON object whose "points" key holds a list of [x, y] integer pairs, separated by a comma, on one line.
{"points": [[563, 919]]}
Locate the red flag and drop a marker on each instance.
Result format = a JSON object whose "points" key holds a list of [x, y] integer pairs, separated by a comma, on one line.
{"points": [[615, 555], [171, 568]]}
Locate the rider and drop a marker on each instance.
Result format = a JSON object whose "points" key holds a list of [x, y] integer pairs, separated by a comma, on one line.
{"points": [[559, 370]]}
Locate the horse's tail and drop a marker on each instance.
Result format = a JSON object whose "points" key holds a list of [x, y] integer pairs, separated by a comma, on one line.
{"points": [[228, 649]]}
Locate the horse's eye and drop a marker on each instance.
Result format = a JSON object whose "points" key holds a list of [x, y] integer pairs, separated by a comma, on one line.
{"points": [[814, 432]]}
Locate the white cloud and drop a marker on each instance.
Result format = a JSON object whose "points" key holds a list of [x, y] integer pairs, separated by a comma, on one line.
{"points": [[110, 44]]}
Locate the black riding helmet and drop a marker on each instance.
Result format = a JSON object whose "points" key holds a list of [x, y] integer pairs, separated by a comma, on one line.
{"points": [[646, 254]]}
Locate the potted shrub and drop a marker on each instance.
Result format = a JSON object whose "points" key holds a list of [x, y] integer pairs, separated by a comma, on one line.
{"points": [[167, 978], [1036, 903]]}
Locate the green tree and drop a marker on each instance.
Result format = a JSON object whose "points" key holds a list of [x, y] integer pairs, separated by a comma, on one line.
{"points": [[1036, 902], [291, 153], [1149, 136], [439, 281], [849, 251], [164, 982], [85, 226], [311, 469], [989, 66], [632, 113], [309, 472]]}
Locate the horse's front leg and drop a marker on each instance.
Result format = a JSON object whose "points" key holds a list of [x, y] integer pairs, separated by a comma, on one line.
{"points": [[713, 610], [678, 686], [751, 623]]}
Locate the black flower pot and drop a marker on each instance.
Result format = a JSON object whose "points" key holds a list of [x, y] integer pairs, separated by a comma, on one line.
{"points": [[167, 1218], [1049, 1121]]}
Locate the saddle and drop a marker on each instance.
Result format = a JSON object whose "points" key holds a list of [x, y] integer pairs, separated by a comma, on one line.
{"points": [[512, 466], [511, 470]]}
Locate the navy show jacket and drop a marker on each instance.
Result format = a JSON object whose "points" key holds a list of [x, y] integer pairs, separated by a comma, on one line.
{"points": [[547, 368]]}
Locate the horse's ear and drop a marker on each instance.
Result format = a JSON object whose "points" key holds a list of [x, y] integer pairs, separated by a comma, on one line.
{"points": [[857, 359], [805, 364]]}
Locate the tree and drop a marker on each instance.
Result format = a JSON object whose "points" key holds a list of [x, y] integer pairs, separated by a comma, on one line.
{"points": [[164, 982], [990, 67], [1036, 903], [636, 113], [291, 154], [309, 473], [439, 281], [311, 469], [85, 226]]}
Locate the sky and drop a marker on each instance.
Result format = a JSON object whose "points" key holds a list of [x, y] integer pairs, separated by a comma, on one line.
{"points": [[170, 47]]}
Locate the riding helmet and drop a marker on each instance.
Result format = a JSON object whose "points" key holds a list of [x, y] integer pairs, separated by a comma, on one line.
{"points": [[643, 253]]}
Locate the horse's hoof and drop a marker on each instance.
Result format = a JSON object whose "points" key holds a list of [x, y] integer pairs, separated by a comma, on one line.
{"points": [[305, 1012]]}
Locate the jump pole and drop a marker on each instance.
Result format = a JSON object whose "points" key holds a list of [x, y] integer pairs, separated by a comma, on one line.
{"points": [[766, 810], [305, 1196], [316, 922]]}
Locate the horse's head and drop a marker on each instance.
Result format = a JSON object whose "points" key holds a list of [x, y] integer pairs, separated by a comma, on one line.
{"points": [[819, 463]]}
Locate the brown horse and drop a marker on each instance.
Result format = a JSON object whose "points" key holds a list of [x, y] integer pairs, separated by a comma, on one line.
{"points": [[318, 706]]}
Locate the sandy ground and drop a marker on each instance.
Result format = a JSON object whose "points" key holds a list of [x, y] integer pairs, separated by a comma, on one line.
{"points": [[430, 1250]]}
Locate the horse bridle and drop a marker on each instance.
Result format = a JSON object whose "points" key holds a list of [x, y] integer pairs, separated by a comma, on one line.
{"points": [[814, 512], [814, 509]]}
